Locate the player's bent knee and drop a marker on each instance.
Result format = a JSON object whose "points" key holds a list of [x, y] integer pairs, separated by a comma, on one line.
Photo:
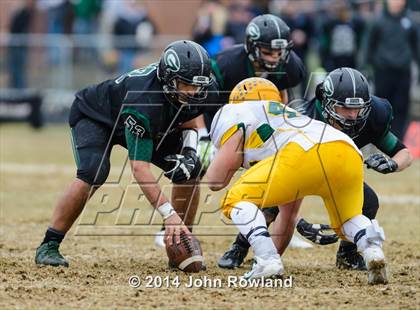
{"points": [[235, 195], [227, 204], [96, 172]]}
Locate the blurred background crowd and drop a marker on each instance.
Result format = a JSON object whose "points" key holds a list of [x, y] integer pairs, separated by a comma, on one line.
{"points": [[65, 45]]}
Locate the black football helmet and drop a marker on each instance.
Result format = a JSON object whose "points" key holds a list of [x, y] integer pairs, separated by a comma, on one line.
{"points": [[188, 62], [271, 32], [348, 88]]}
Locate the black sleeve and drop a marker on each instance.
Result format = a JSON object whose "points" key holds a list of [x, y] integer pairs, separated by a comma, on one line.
{"points": [[382, 117], [390, 144]]}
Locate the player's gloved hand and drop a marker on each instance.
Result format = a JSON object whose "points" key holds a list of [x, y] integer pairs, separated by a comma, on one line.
{"points": [[186, 166], [316, 232], [173, 228], [205, 152], [381, 163]]}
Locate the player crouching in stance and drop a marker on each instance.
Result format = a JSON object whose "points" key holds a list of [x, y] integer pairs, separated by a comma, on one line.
{"points": [[151, 112], [288, 156]]}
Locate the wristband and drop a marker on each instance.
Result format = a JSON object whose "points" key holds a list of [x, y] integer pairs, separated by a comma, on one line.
{"points": [[203, 133], [190, 138], [166, 210]]}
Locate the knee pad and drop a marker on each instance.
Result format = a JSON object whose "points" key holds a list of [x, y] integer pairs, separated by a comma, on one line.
{"points": [[370, 202], [95, 171], [249, 220]]}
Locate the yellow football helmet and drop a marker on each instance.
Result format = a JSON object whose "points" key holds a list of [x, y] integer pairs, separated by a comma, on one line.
{"points": [[254, 88]]}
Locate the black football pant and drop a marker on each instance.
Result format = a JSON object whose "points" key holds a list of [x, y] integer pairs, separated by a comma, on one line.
{"points": [[394, 85]]}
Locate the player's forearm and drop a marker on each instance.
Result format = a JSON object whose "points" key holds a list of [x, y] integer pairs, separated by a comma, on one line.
{"points": [[149, 186], [222, 168], [218, 178], [227, 161], [403, 158], [284, 96]]}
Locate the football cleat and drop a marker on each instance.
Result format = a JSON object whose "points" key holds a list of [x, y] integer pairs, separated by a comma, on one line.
{"points": [[233, 258], [376, 265], [298, 243], [269, 267], [349, 258], [48, 254]]}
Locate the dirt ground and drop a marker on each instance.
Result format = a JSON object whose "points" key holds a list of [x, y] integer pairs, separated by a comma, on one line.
{"points": [[106, 246]]}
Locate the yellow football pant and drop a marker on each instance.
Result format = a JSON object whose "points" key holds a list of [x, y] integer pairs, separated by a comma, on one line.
{"points": [[332, 170]]}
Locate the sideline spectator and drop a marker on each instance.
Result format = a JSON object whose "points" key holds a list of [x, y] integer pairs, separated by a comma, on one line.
{"points": [[341, 37], [210, 25], [18, 49], [132, 21], [302, 30], [392, 46], [86, 23], [240, 14], [57, 11]]}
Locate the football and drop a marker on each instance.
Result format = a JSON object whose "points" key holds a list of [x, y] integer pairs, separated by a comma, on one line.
{"points": [[187, 255]]}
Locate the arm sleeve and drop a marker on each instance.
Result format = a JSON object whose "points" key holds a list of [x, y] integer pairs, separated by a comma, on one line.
{"points": [[138, 135], [390, 144], [386, 141]]}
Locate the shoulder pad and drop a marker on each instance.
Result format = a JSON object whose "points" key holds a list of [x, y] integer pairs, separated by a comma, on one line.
{"points": [[380, 116]]}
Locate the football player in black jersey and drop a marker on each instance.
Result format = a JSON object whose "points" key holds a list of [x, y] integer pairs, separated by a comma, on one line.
{"points": [[152, 112], [266, 53], [343, 100]]}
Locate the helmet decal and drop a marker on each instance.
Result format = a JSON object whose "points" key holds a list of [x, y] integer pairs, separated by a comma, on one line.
{"points": [[328, 86], [171, 59], [352, 80], [253, 31], [196, 46], [275, 23]]}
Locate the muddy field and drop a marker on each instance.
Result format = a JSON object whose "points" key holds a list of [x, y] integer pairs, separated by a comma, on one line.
{"points": [[112, 241]]}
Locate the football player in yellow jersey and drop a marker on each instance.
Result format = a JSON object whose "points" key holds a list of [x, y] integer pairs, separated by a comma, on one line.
{"points": [[288, 156]]}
